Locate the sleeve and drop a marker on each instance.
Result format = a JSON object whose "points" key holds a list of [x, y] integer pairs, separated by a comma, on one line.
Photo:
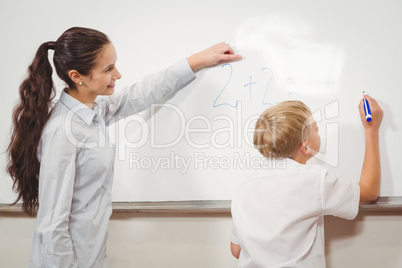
{"points": [[56, 184], [340, 198], [233, 237], [151, 89]]}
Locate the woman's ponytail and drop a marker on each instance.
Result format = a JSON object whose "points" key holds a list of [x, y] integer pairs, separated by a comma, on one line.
{"points": [[76, 49], [29, 118]]}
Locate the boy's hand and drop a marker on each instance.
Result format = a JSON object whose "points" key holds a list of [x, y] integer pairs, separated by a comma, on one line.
{"points": [[211, 56], [376, 113]]}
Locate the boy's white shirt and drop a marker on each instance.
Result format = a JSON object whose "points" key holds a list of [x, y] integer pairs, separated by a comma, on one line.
{"points": [[278, 214]]}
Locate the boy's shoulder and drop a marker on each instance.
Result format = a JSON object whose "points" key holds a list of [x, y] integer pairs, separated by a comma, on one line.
{"points": [[315, 168], [284, 167]]}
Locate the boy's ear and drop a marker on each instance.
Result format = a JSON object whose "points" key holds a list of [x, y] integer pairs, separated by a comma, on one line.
{"points": [[304, 149]]}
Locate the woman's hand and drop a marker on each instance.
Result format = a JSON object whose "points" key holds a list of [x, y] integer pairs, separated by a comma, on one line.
{"points": [[212, 56]]}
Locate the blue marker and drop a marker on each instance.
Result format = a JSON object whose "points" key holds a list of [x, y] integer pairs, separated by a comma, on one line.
{"points": [[367, 110]]}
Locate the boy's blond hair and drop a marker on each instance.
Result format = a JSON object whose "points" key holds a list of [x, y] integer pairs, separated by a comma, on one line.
{"points": [[282, 128]]}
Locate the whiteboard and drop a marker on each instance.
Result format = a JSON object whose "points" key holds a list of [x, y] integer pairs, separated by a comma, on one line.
{"points": [[198, 145]]}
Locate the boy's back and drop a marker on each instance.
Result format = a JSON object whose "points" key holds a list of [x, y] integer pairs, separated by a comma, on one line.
{"points": [[278, 214]]}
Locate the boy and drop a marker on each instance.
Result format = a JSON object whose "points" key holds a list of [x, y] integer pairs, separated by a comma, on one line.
{"points": [[278, 214]]}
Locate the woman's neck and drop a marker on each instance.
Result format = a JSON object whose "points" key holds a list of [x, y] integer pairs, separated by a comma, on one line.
{"points": [[85, 99]]}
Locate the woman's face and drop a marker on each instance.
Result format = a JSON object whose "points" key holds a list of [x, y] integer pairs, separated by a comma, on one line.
{"points": [[102, 79]]}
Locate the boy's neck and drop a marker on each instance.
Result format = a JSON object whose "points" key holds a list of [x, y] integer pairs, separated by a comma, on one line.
{"points": [[301, 158]]}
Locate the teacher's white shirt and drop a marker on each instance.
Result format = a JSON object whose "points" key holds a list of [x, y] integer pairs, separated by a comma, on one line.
{"points": [[76, 171]]}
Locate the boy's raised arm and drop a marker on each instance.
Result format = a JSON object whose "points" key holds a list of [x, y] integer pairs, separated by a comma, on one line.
{"points": [[371, 171]]}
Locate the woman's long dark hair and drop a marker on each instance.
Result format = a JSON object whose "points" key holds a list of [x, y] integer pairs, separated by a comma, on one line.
{"points": [[76, 49]]}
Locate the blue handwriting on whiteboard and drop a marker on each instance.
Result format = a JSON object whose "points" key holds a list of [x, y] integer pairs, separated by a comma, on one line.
{"points": [[266, 70], [266, 89], [249, 85], [230, 77]]}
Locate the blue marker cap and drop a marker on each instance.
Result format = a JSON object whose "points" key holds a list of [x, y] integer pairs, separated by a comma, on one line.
{"points": [[367, 110]]}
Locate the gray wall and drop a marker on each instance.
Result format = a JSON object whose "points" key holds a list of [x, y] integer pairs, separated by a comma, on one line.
{"points": [[372, 240]]}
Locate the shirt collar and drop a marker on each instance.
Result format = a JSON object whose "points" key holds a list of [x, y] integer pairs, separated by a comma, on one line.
{"points": [[84, 112], [291, 162]]}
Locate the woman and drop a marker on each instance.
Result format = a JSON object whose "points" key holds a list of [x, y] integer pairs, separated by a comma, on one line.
{"points": [[61, 159]]}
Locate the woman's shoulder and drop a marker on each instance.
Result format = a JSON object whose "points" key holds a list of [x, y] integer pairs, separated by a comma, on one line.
{"points": [[57, 119]]}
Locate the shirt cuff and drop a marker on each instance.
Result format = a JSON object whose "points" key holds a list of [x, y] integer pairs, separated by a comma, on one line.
{"points": [[184, 71], [356, 201], [233, 236], [234, 239]]}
